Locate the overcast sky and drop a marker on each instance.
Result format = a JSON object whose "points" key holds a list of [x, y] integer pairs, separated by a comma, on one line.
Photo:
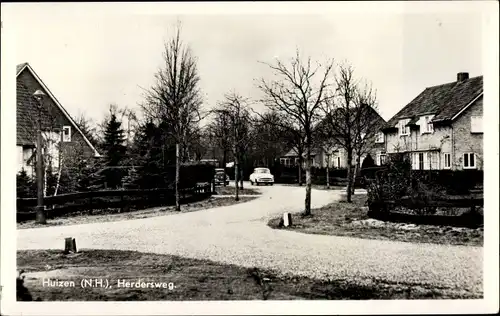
{"points": [[90, 57]]}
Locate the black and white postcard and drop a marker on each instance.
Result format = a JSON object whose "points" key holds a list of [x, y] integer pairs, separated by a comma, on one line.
{"points": [[249, 158]]}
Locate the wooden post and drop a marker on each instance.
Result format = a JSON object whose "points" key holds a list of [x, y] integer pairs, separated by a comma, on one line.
{"points": [[69, 245], [287, 219]]}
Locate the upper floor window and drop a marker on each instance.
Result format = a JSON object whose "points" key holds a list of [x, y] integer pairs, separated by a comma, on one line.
{"points": [[427, 126], [469, 161], [476, 124], [403, 128], [379, 137], [66, 134]]}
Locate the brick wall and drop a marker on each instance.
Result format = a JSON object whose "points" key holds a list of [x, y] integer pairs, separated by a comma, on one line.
{"points": [[465, 141]]}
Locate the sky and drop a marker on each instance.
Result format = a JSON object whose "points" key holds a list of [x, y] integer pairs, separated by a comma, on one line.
{"points": [[93, 55]]}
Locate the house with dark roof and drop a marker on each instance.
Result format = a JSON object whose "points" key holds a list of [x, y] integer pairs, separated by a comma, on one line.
{"points": [[64, 142], [334, 155], [442, 128]]}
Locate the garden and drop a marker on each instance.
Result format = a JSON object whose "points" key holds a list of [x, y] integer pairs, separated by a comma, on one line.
{"points": [[404, 205]]}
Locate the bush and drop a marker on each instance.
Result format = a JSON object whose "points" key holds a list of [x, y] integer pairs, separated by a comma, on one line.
{"points": [[25, 186], [397, 181], [22, 293]]}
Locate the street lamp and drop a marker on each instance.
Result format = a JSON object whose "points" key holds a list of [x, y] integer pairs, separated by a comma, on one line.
{"points": [[40, 209]]}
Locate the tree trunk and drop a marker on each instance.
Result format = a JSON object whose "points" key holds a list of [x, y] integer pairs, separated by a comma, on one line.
{"points": [[241, 174], [308, 183], [355, 174], [177, 176], [328, 172], [300, 168], [40, 209], [349, 175], [59, 175], [236, 177]]}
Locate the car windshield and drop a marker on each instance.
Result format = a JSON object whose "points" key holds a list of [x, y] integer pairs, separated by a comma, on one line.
{"points": [[261, 170]]}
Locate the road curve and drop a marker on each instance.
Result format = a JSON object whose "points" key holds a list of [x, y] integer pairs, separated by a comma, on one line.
{"points": [[238, 234]]}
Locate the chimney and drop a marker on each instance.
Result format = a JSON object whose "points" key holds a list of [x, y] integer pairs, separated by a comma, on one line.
{"points": [[462, 76]]}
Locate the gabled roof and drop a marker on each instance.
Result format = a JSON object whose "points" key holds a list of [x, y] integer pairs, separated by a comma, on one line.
{"points": [[23, 112], [445, 101]]}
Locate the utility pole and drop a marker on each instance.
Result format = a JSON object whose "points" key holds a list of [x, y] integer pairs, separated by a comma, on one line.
{"points": [[40, 208]]}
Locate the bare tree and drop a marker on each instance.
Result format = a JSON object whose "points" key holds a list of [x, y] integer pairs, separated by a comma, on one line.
{"points": [[351, 119], [290, 134], [297, 95], [270, 138], [219, 131], [175, 97], [235, 109]]}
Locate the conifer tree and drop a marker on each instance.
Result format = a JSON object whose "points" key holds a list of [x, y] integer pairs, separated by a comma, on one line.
{"points": [[114, 149]]}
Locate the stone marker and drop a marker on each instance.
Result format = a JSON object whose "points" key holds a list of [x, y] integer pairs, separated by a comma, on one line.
{"points": [[70, 245], [287, 219]]}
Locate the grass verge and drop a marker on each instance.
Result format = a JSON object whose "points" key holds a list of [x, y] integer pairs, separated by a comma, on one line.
{"points": [[190, 279], [229, 190], [106, 216], [338, 218]]}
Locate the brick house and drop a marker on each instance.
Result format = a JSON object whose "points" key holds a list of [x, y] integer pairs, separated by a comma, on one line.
{"points": [[65, 142], [442, 127]]}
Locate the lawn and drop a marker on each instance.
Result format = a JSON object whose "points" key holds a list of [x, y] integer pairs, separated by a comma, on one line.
{"points": [[110, 215], [341, 219], [229, 190], [189, 279]]}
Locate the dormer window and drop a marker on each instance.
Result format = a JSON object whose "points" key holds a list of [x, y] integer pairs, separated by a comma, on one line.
{"points": [[379, 138], [404, 130], [426, 125]]}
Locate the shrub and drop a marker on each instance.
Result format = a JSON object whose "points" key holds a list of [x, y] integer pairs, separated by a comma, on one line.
{"points": [[25, 186], [22, 293]]}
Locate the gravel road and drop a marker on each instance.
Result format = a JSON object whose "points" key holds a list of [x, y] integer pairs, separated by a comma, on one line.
{"points": [[239, 235]]}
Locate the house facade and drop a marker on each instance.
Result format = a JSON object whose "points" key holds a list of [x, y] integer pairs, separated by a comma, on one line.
{"points": [[335, 156], [442, 127], [64, 141]]}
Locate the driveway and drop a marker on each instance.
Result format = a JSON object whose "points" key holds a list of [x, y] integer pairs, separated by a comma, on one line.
{"points": [[239, 235]]}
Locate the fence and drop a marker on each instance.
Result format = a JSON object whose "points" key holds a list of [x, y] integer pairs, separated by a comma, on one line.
{"points": [[121, 199], [383, 210]]}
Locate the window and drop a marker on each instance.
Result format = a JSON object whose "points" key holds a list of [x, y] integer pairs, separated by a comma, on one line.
{"points": [[426, 125], [403, 129], [417, 161], [421, 161], [447, 161], [66, 134], [338, 161], [469, 161], [381, 158], [476, 124], [379, 137]]}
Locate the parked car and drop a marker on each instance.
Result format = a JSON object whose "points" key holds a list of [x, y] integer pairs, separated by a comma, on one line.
{"points": [[220, 176], [261, 175]]}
